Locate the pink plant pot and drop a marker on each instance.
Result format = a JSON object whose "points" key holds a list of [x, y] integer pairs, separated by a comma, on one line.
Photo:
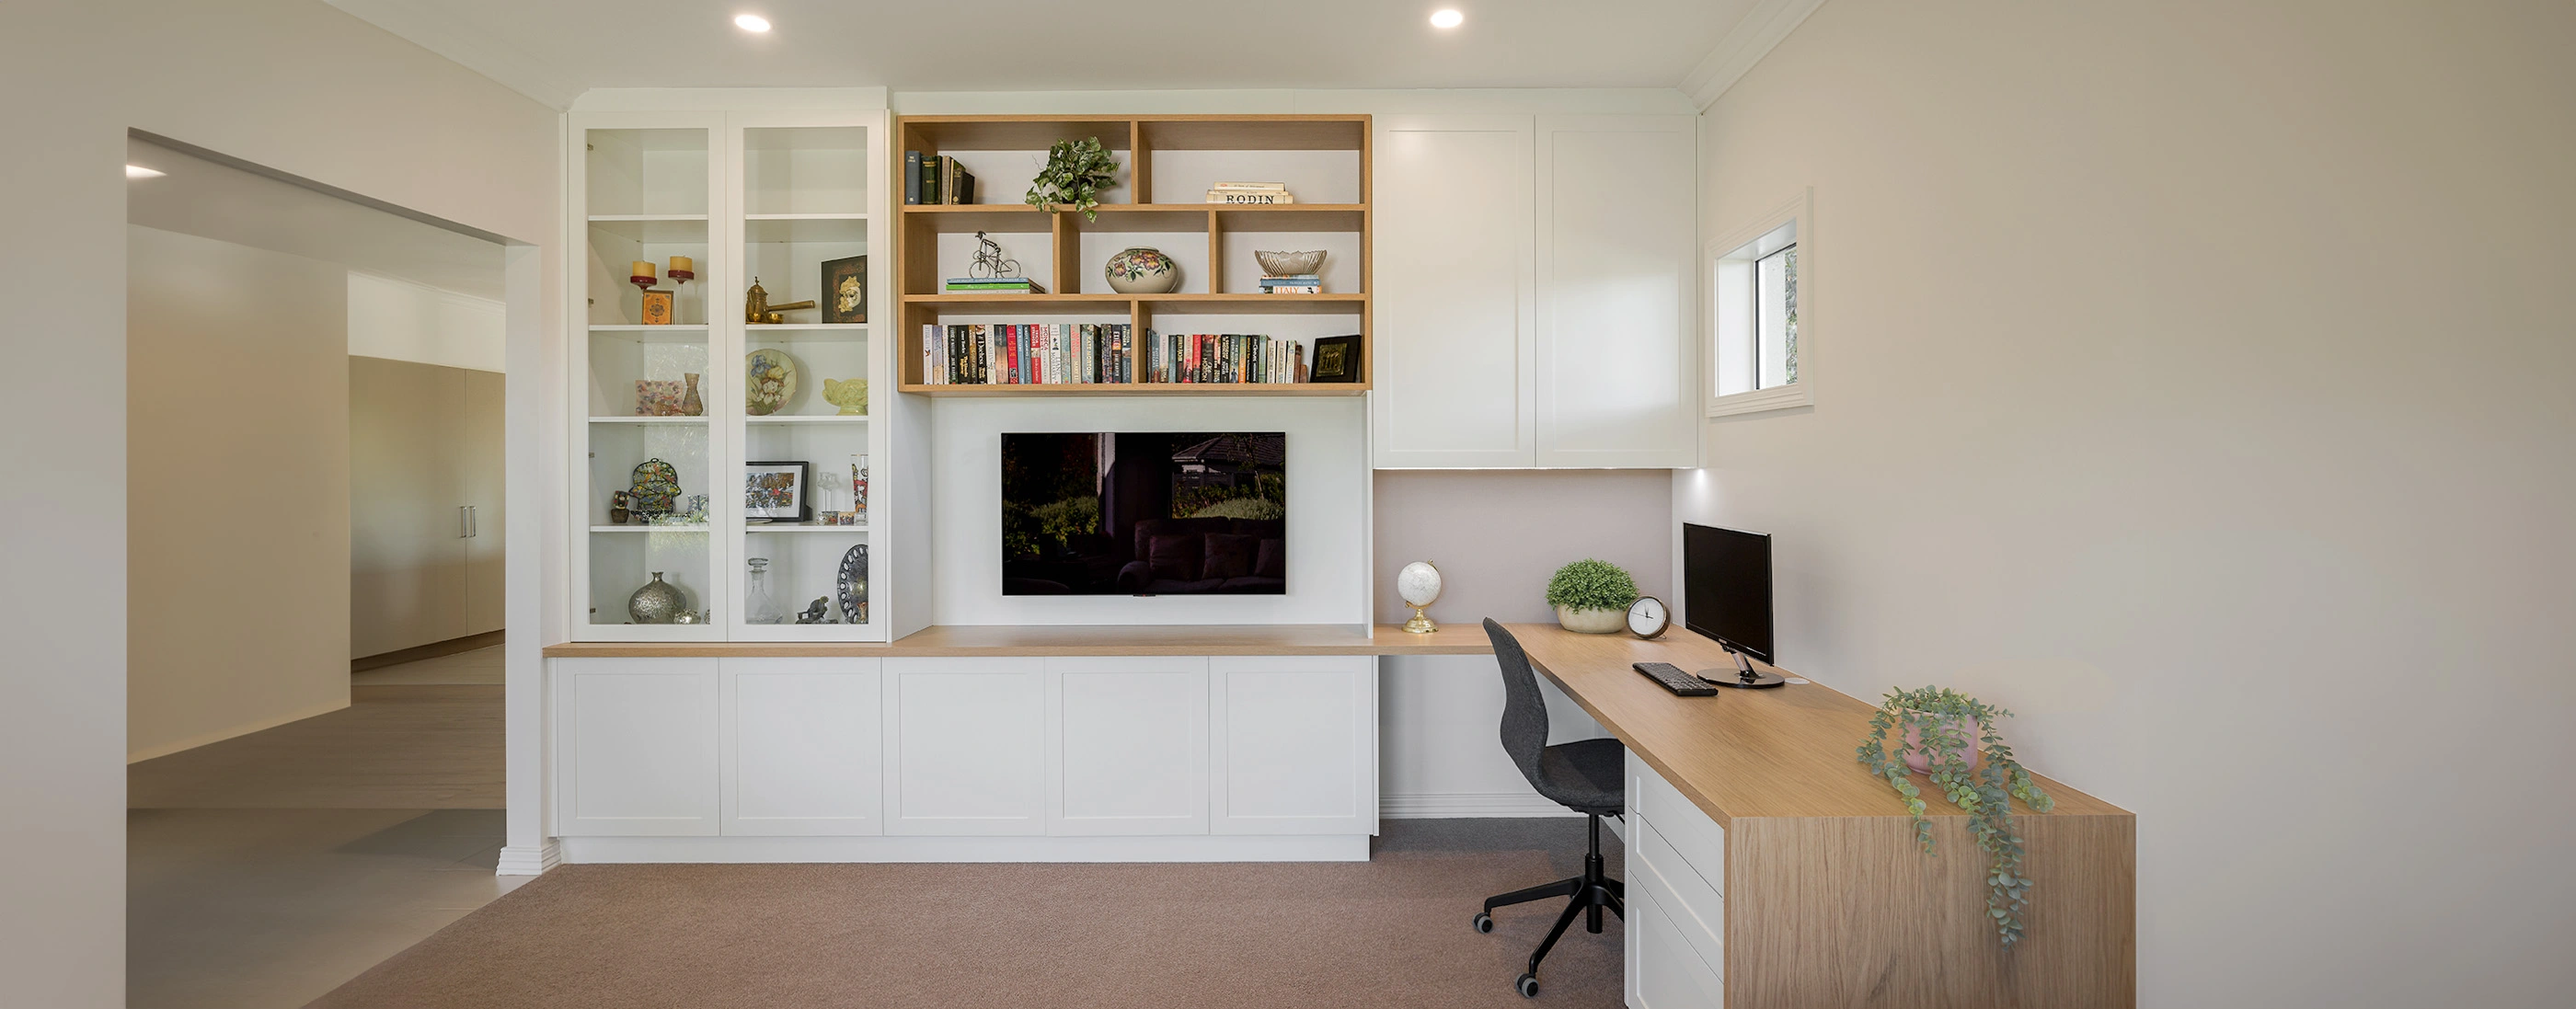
{"points": [[1919, 757]]}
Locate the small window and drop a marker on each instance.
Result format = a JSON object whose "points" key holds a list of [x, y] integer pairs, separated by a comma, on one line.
{"points": [[1754, 283]]}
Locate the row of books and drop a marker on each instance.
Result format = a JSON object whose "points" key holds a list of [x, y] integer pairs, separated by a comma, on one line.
{"points": [[934, 178], [1302, 283], [1056, 353], [1249, 192], [1063, 353], [994, 285]]}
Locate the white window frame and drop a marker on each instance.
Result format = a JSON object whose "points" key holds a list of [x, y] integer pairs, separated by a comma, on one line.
{"points": [[1727, 265]]}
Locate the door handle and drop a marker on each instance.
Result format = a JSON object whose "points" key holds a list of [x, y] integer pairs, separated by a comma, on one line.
{"points": [[464, 522]]}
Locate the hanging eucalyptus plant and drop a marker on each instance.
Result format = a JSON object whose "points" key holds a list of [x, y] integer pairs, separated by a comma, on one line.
{"points": [[1075, 173], [1932, 726]]}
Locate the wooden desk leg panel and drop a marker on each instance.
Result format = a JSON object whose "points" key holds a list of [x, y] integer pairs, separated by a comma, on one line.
{"points": [[1849, 912]]}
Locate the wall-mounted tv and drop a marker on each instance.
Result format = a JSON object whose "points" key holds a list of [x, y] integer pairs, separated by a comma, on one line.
{"points": [[1145, 513]]}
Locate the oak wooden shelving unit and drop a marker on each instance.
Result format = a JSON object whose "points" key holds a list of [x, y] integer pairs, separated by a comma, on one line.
{"points": [[1134, 140]]}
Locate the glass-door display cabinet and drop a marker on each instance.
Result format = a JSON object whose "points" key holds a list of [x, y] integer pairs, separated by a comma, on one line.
{"points": [[725, 356]]}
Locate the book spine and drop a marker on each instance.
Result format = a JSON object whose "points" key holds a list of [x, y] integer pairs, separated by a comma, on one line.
{"points": [[1220, 197], [930, 179], [912, 177], [965, 186], [947, 180], [1250, 187]]}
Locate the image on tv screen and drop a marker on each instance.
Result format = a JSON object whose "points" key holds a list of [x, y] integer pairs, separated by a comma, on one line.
{"points": [[1145, 513]]}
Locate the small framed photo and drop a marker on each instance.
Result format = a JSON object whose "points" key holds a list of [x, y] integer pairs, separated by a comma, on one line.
{"points": [[776, 491], [657, 307], [845, 290], [1337, 359]]}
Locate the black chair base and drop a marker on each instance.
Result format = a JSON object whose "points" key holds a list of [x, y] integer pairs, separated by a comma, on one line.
{"points": [[1587, 894]]}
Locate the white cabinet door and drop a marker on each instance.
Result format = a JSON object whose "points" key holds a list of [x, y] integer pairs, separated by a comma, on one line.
{"points": [[635, 747], [1664, 971], [964, 746], [803, 747], [1127, 745], [1618, 375], [1453, 273], [1294, 745]]}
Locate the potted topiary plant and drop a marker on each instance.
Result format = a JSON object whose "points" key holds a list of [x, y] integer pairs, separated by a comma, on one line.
{"points": [[1591, 596], [1951, 738], [1075, 173]]}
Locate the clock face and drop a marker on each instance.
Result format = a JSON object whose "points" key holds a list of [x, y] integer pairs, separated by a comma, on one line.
{"points": [[1647, 617]]}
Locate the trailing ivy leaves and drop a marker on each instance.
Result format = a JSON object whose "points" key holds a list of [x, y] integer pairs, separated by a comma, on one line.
{"points": [[1940, 717], [1075, 173]]}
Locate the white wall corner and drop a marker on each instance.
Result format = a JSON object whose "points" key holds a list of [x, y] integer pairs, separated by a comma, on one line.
{"points": [[1743, 46], [517, 860], [508, 65]]}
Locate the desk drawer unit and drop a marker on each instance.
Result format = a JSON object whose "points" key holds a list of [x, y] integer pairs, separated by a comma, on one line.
{"points": [[1677, 907]]}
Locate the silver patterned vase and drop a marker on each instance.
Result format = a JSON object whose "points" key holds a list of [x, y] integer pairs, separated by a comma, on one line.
{"points": [[658, 602]]}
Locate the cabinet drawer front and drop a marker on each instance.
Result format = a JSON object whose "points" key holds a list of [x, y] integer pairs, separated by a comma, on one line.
{"points": [[1669, 973], [1698, 840], [1693, 906]]}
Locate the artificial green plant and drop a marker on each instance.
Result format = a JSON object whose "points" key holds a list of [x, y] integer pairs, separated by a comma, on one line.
{"points": [[1590, 584], [1939, 717], [1075, 173]]}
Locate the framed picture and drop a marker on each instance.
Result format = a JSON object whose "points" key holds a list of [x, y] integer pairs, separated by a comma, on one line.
{"points": [[776, 491], [845, 290], [1337, 359]]}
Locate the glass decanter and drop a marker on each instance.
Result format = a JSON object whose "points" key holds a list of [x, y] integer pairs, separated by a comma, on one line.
{"points": [[758, 606]]}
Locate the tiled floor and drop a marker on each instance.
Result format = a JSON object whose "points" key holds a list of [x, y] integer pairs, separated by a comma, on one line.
{"points": [[230, 903]]}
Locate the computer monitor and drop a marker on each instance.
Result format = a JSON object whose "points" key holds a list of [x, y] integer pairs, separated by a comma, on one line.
{"points": [[1726, 595]]}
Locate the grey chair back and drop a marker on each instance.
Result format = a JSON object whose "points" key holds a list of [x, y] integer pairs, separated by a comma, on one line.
{"points": [[1524, 710]]}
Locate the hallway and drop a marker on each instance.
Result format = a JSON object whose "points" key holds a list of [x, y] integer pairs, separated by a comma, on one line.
{"points": [[265, 870]]}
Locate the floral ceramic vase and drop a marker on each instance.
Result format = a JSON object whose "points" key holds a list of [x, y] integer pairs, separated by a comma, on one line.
{"points": [[1143, 271]]}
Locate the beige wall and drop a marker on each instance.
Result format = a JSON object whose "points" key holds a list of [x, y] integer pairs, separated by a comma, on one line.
{"points": [[292, 84], [237, 435], [2195, 379]]}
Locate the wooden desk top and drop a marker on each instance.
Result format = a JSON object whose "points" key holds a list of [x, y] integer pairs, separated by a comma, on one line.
{"points": [[1781, 752], [958, 640]]}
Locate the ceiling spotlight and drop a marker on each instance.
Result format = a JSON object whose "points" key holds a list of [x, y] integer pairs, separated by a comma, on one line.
{"points": [[751, 22], [140, 172], [1447, 19]]}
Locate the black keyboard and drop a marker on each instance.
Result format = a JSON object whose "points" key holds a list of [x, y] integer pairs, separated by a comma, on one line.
{"points": [[1673, 679]]}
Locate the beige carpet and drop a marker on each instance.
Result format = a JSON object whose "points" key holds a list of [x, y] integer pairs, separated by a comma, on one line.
{"points": [[1390, 932]]}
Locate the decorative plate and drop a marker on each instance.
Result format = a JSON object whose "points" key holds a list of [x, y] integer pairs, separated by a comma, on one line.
{"points": [[657, 487], [768, 381], [854, 585]]}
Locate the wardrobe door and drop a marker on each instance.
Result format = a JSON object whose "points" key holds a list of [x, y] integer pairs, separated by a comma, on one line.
{"points": [[1453, 275], [1617, 368], [480, 466]]}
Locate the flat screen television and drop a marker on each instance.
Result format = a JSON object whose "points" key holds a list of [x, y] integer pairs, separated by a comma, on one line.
{"points": [[1145, 513], [1726, 588]]}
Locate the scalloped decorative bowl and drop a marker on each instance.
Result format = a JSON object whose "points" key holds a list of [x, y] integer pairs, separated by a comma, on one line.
{"points": [[1289, 264]]}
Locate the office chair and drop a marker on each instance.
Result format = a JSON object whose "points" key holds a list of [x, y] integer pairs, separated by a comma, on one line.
{"points": [[1588, 777]]}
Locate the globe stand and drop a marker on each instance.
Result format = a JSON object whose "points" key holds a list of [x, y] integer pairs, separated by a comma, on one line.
{"points": [[1420, 624]]}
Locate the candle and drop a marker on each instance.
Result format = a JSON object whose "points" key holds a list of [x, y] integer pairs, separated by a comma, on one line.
{"points": [[683, 264], [642, 268]]}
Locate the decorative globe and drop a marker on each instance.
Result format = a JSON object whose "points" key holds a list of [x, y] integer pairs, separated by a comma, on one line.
{"points": [[1419, 586], [1142, 271]]}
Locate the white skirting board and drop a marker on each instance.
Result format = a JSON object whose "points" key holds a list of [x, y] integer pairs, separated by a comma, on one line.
{"points": [[529, 861], [1442, 805], [1193, 848]]}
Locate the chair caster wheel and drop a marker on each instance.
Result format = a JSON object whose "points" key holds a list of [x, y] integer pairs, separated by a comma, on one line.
{"points": [[1527, 985], [1484, 922]]}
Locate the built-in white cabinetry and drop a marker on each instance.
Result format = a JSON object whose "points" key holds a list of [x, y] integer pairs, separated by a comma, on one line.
{"points": [[964, 741], [1535, 292], [1296, 744], [1676, 916], [802, 750], [966, 758], [635, 747]]}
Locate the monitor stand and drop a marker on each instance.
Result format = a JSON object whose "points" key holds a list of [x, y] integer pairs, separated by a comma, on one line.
{"points": [[1740, 676]]}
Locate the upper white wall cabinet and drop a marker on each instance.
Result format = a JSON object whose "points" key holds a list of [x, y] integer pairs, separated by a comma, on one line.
{"points": [[1535, 292]]}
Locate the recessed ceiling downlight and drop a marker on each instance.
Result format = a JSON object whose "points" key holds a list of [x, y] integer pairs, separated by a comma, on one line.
{"points": [[140, 172], [1447, 19], [751, 22]]}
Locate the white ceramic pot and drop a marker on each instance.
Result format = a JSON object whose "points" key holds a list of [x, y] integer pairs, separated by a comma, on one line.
{"points": [[1592, 621], [1142, 271]]}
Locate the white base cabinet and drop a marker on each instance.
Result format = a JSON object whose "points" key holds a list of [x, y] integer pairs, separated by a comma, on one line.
{"points": [[965, 759], [1676, 897]]}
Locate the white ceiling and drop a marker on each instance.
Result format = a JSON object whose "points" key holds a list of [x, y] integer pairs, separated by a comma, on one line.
{"points": [[209, 200], [553, 50]]}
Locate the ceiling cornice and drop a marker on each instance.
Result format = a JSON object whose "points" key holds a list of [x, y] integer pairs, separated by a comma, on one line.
{"points": [[1744, 45], [510, 66]]}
